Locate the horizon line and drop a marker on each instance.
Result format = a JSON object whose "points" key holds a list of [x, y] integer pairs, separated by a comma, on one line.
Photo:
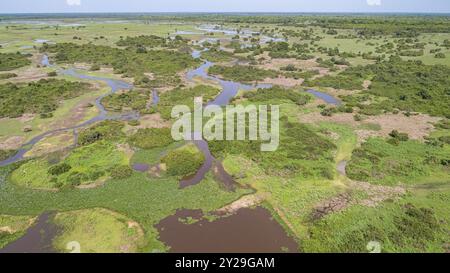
{"points": [[227, 12]]}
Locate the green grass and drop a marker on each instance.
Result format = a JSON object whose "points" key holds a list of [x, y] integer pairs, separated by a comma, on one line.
{"points": [[87, 165], [409, 162], [12, 228], [414, 224], [140, 198]]}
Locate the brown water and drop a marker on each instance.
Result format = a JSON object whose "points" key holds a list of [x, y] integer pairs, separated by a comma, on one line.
{"points": [[37, 239], [248, 231]]}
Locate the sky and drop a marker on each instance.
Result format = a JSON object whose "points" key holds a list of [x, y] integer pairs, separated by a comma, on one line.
{"points": [[56, 6]]}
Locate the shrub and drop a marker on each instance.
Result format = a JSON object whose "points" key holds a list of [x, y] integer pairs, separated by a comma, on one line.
{"points": [[121, 171], [183, 161], [59, 169], [151, 138], [108, 130]]}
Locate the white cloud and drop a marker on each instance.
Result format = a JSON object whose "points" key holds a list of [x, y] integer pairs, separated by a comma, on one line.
{"points": [[78, 2], [374, 2]]}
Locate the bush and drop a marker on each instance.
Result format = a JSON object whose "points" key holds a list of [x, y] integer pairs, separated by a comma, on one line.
{"points": [[134, 122], [121, 171], [151, 138], [108, 130], [59, 169], [10, 61], [183, 161], [4, 154], [399, 136], [41, 96]]}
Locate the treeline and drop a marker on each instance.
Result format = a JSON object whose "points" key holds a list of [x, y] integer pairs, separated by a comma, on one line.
{"points": [[409, 85], [41, 97], [152, 41], [130, 62]]}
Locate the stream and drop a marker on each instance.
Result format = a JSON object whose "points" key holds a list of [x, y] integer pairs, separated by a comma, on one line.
{"points": [[115, 85]]}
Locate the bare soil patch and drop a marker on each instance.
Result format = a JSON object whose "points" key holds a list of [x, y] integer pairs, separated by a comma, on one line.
{"points": [[12, 143], [416, 126]]}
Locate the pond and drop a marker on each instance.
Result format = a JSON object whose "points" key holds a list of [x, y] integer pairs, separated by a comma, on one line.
{"points": [[246, 231]]}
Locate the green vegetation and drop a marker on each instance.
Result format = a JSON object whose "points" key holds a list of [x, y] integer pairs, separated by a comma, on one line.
{"points": [[397, 227], [4, 154], [302, 151], [105, 130], [84, 165], [98, 231], [151, 138], [216, 55], [409, 85], [408, 162], [140, 198], [163, 64], [184, 96], [277, 94], [241, 73], [183, 161], [135, 100], [12, 228], [10, 61], [41, 97], [4, 76], [394, 188]]}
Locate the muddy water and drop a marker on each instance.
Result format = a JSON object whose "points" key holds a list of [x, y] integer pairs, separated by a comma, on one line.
{"points": [[249, 230], [37, 239]]}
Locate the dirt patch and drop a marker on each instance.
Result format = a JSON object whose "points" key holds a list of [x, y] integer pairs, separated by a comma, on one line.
{"points": [[244, 202], [148, 121], [156, 170], [55, 142], [77, 115], [12, 143], [416, 126], [98, 183], [366, 84], [12, 230], [375, 194], [283, 81], [334, 204], [126, 149]]}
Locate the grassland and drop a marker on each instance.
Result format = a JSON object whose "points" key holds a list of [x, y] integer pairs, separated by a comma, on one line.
{"points": [[394, 190], [98, 231]]}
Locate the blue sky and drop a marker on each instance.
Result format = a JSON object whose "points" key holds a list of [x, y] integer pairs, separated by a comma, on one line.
{"points": [[30, 6]]}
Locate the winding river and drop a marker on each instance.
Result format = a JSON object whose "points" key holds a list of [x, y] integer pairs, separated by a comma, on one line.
{"points": [[249, 230], [114, 85]]}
